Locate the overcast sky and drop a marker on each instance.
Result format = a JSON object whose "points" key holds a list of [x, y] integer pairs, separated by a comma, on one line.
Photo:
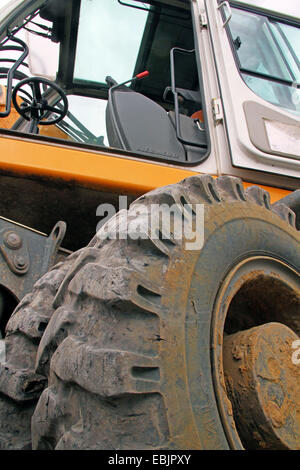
{"points": [[292, 7]]}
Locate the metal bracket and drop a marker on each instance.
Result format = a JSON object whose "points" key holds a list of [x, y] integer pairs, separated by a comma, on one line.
{"points": [[203, 20], [217, 110], [25, 255], [15, 252]]}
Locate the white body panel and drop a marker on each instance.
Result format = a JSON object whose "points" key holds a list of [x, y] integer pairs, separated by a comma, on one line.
{"points": [[235, 93]]}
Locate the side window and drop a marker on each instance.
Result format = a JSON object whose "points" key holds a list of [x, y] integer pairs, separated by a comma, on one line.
{"points": [[88, 48], [268, 56]]}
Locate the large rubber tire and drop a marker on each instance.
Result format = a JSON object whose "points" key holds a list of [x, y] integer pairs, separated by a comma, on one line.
{"points": [[20, 386], [127, 351]]}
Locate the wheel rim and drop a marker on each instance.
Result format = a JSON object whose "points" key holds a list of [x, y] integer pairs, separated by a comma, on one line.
{"points": [[259, 293]]}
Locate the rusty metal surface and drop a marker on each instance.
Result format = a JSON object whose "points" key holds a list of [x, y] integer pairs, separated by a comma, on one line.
{"points": [[264, 386], [257, 291], [25, 255]]}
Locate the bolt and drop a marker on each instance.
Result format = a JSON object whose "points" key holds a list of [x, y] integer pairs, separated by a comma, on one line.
{"points": [[12, 240], [20, 262]]}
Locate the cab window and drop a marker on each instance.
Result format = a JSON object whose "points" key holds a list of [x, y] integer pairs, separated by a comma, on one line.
{"points": [[91, 48], [268, 52]]}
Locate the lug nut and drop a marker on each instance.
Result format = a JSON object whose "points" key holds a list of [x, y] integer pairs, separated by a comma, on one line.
{"points": [[12, 240], [20, 262]]}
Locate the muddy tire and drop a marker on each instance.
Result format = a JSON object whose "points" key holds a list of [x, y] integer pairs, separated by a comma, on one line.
{"points": [[20, 386], [133, 352]]}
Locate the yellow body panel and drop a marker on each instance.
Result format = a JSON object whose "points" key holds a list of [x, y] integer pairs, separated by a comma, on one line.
{"points": [[92, 169]]}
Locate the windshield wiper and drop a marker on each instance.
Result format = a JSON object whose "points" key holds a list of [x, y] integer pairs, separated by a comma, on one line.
{"points": [[270, 78]]}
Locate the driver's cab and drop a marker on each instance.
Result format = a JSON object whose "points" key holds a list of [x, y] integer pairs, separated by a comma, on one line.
{"points": [[220, 92], [72, 61]]}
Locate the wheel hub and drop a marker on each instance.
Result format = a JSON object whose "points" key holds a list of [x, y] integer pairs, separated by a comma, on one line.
{"points": [[263, 385]]}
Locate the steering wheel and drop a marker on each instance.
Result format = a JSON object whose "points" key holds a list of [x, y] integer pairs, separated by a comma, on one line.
{"points": [[36, 108]]}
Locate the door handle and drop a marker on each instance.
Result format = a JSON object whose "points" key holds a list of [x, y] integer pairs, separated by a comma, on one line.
{"points": [[227, 6]]}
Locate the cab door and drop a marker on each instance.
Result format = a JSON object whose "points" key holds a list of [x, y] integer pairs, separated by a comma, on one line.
{"points": [[256, 55]]}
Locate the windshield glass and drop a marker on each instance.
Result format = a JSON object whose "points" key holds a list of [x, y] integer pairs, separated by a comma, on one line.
{"points": [[111, 24], [268, 53]]}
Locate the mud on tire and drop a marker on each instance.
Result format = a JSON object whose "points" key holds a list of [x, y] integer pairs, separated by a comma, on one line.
{"points": [[127, 347], [20, 385]]}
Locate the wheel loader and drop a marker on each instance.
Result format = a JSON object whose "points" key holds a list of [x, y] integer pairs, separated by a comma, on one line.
{"points": [[149, 229]]}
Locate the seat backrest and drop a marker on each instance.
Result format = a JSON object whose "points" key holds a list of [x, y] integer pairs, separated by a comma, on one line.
{"points": [[138, 124]]}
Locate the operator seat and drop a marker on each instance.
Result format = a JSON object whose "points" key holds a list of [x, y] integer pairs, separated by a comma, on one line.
{"points": [[139, 125]]}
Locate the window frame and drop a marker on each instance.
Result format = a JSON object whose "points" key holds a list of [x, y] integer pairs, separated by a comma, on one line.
{"points": [[273, 18]]}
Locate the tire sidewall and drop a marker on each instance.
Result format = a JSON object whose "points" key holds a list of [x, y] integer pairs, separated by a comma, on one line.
{"points": [[233, 232]]}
